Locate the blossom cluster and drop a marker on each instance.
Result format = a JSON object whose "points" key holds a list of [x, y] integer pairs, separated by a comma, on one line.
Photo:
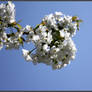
{"points": [[52, 38], [9, 37]]}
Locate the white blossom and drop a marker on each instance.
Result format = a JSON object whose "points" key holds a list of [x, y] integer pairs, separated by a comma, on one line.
{"points": [[35, 37], [58, 13], [27, 28], [1, 45], [10, 8], [7, 12], [26, 55], [46, 48]]}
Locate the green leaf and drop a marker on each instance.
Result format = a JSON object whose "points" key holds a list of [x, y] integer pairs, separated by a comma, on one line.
{"points": [[0, 18], [77, 25], [0, 22], [0, 41], [7, 40], [55, 61], [20, 40], [74, 18], [64, 58], [19, 26], [79, 20], [43, 23], [36, 26]]}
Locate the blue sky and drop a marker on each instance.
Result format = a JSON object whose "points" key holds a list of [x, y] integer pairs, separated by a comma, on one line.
{"points": [[17, 74]]}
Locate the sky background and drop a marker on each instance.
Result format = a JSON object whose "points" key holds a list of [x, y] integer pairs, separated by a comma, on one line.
{"points": [[17, 74]]}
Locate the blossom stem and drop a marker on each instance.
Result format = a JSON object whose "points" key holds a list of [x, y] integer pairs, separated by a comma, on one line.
{"points": [[32, 50]]}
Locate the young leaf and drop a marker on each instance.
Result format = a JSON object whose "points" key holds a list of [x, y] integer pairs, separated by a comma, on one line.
{"points": [[0, 22], [78, 26], [55, 61], [20, 40], [74, 18], [79, 20], [0, 18], [43, 23], [64, 58], [36, 26], [19, 26]]}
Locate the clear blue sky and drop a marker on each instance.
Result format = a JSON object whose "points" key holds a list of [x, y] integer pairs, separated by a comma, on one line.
{"points": [[17, 74]]}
